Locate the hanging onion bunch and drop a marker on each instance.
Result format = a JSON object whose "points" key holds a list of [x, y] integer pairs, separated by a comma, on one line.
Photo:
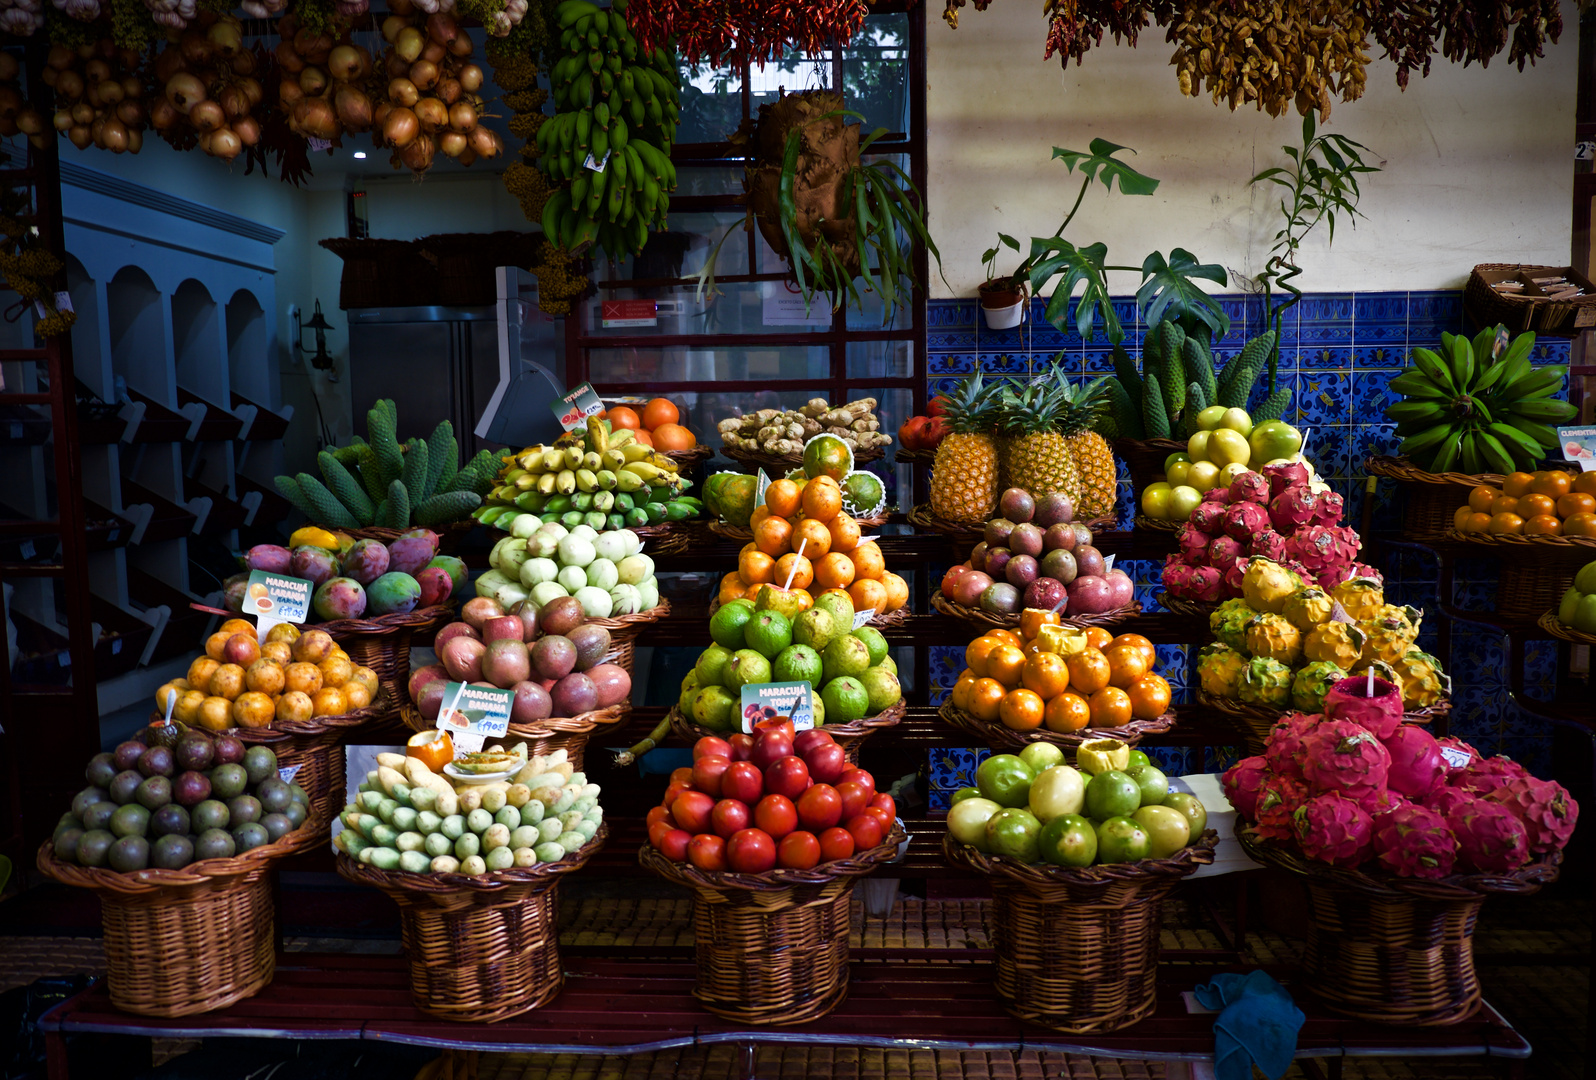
{"points": [[20, 18], [433, 100], [99, 96], [81, 10], [323, 89], [16, 115], [208, 89], [172, 14]]}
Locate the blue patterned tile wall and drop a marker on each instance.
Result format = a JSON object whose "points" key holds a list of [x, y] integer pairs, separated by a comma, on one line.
{"points": [[1339, 351]]}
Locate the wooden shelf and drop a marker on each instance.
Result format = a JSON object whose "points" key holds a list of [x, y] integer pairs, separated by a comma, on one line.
{"points": [[273, 507], [266, 426], [182, 636], [105, 529], [219, 425], [225, 515], [160, 424], [123, 637], [169, 521]]}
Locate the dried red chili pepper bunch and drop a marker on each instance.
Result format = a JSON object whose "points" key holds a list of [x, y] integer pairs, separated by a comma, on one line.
{"points": [[1467, 30], [1073, 26], [713, 31]]}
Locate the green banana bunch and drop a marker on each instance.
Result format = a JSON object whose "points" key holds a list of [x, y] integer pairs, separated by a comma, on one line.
{"points": [[611, 137], [1476, 407]]}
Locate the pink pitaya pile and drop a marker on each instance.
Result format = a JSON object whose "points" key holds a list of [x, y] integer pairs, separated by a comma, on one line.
{"points": [[1293, 508], [1209, 517], [1244, 519], [1331, 505], [1193, 545], [1223, 551], [1220, 495], [1250, 487], [1363, 570], [1267, 544], [1281, 477], [1345, 797], [1243, 782], [1458, 746], [1231, 587], [1414, 841], [1325, 551], [1191, 582]]}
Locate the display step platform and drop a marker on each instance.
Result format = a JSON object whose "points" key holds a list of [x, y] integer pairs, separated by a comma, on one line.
{"points": [[619, 1006]]}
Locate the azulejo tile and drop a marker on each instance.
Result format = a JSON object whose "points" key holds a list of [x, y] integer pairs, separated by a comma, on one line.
{"points": [[1431, 312], [1174, 760], [949, 363], [1323, 355], [1326, 447], [954, 767], [1370, 440], [939, 800], [1098, 361], [1371, 393], [1550, 351], [1005, 363], [1322, 309], [1380, 307], [1324, 397], [961, 311], [1532, 752], [1012, 339], [935, 386], [960, 340], [1218, 759]]}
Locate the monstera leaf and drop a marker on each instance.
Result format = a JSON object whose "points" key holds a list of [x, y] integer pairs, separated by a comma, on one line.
{"points": [[1080, 266], [1101, 164], [1168, 292]]}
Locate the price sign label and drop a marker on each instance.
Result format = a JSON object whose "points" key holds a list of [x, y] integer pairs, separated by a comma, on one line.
{"points": [[778, 701], [475, 713], [276, 598], [862, 618], [575, 407]]}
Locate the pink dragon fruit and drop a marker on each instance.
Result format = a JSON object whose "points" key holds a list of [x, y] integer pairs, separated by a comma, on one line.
{"points": [[1331, 576], [1490, 837], [1333, 829], [1244, 519], [1293, 508], [1191, 582], [1233, 576], [1545, 808], [1457, 746], [1329, 509], [1323, 547], [1414, 841], [1193, 545], [1363, 570], [1283, 747], [1443, 800], [1379, 803], [1278, 800], [1284, 476], [1207, 516], [1220, 495], [1243, 782], [1223, 551], [1341, 756], [1416, 764], [1486, 775], [1267, 544], [1249, 487], [1381, 714]]}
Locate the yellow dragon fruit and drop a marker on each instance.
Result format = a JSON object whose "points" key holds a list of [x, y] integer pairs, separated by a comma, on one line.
{"points": [[1360, 597], [1267, 585], [1311, 683], [1307, 608], [1274, 637], [1389, 636], [1338, 642], [1229, 622], [1265, 682], [1219, 669], [1423, 681]]}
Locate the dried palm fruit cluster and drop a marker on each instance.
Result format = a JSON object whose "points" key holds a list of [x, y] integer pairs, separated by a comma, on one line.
{"points": [[558, 283], [25, 266], [757, 30], [1275, 54]]}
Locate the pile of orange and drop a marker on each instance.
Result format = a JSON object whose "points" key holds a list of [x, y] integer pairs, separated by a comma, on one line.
{"points": [[657, 424], [244, 682], [1009, 677], [801, 531], [1551, 503]]}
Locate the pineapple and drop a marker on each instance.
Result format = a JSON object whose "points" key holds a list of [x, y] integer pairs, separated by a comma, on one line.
{"points": [[1077, 414], [1035, 455], [964, 476]]}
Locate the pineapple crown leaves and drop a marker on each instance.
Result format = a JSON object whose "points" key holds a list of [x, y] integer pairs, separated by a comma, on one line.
{"points": [[972, 405], [1049, 401]]}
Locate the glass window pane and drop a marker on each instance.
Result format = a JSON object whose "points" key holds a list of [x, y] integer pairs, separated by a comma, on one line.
{"points": [[880, 359], [711, 103], [699, 179], [735, 363], [875, 72], [792, 73]]}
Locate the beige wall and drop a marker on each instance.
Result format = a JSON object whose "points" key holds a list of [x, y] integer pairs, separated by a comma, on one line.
{"points": [[1478, 164]]}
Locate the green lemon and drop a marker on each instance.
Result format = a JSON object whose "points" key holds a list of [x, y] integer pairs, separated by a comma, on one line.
{"points": [[874, 642], [845, 699], [726, 625], [768, 632], [796, 663]]}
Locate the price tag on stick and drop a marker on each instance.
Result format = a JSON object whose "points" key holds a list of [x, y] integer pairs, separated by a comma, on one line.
{"points": [[777, 701], [472, 714], [276, 598]]}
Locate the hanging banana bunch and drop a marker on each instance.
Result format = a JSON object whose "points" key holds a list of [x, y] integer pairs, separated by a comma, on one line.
{"points": [[609, 142]]}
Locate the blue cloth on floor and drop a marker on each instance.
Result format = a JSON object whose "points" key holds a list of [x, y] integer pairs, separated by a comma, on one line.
{"points": [[1257, 1022]]}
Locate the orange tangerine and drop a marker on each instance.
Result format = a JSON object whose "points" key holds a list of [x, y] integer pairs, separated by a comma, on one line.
{"points": [[814, 537], [1021, 710], [781, 498], [1126, 664], [1046, 674], [752, 592], [731, 590], [866, 593], [805, 601], [1504, 504], [978, 651], [756, 568], [1150, 696], [1517, 483], [834, 571], [772, 535], [1478, 523], [822, 501], [1005, 634], [1576, 502], [1005, 665], [1506, 523], [844, 533], [619, 417], [1553, 482], [962, 688], [760, 514], [660, 411], [1585, 483], [1460, 520], [1139, 642], [868, 561], [986, 697], [897, 590], [1067, 712], [1535, 505], [1543, 525], [1111, 707], [1097, 637], [1089, 670], [1480, 498], [1580, 525], [801, 569]]}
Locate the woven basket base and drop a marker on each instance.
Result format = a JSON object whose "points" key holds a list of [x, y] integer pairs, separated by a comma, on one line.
{"points": [[202, 951], [481, 964], [780, 960]]}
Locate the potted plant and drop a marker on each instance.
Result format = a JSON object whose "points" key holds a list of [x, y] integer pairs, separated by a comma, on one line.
{"points": [[1003, 298]]}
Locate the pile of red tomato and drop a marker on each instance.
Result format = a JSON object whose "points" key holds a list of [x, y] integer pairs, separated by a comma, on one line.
{"points": [[752, 803]]}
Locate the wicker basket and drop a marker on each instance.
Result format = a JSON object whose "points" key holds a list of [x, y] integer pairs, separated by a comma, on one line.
{"points": [[772, 948], [962, 536], [481, 948], [666, 538], [316, 746], [1256, 721], [1200, 609], [988, 620], [905, 456], [546, 736], [1162, 525], [624, 630], [1528, 308], [886, 620], [189, 941], [1429, 500], [850, 736], [449, 536], [1535, 570], [738, 532], [1144, 458], [1559, 629], [1392, 950], [778, 465], [1077, 948], [1004, 739], [383, 643]]}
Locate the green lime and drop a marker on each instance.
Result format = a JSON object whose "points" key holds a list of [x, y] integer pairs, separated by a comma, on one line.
{"points": [[768, 632], [796, 663], [748, 666], [874, 642], [845, 699], [883, 690], [726, 625], [846, 655], [814, 628], [840, 607], [711, 666], [689, 687], [715, 707]]}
